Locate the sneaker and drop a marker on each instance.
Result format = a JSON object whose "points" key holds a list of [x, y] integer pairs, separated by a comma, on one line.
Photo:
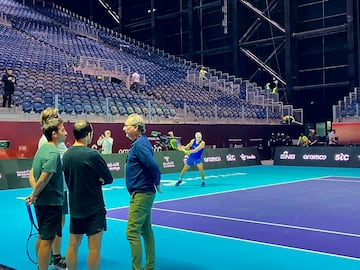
{"points": [[178, 183], [60, 264], [202, 184]]}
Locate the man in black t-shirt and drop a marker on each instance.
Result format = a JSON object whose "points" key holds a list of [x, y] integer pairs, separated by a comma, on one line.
{"points": [[312, 137], [9, 81], [85, 172]]}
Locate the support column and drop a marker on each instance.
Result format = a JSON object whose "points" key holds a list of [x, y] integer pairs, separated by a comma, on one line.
{"points": [[191, 29], [153, 24], [91, 9], [235, 36], [350, 43], [291, 61], [120, 28]]}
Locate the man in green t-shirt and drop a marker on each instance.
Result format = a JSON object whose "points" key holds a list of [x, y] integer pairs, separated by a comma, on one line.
{"points": [[48, 189]]}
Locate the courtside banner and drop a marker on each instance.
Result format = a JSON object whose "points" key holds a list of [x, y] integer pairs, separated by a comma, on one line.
{"points": [[17, 172], [320, 156], [116, 164], [230, 157], [170, 161], [3, 182], [173, 161]]}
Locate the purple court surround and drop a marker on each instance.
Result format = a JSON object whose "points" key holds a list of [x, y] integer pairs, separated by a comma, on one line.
{"points": [[319, 215]]}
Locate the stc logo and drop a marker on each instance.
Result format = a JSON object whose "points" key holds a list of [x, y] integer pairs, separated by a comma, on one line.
{"points": [[342, 157], [230, 157], [286, 155]]}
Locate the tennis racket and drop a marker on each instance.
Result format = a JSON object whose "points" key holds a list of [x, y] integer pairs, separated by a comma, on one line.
{"points": [[182, 149], [174, 143], [32, 238]]}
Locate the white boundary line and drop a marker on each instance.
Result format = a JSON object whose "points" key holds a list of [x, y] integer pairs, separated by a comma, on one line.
{"points": [[339, 176], [248, 241], [252, 221], [260, 222], [229, 191], [343, 181]]}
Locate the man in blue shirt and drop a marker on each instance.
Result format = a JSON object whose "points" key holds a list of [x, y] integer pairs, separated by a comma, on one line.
{"points": [[142, 182]]}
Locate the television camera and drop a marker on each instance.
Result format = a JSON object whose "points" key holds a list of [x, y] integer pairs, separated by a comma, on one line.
{"points": [[165, 142]]}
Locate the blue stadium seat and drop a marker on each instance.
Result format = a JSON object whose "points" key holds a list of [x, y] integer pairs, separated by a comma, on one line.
{"points": [[68, 108], [27, 106], [38, 107], [78, 108]]}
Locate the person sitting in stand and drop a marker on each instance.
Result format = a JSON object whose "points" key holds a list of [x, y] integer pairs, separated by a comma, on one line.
{"points": [[312, 137], [333, 139], [303, 140]]}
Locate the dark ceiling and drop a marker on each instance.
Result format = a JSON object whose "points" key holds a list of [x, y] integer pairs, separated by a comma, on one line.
{"points": [[312, 47]]}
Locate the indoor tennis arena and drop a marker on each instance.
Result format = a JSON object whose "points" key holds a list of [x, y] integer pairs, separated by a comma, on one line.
{"points": [[273, 87]]}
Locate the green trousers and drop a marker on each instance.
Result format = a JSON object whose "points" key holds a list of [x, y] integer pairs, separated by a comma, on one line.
{"points": [[139, 223]]}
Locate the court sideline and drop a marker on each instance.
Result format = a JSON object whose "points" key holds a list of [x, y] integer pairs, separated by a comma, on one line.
{"points": [[194, 249]]}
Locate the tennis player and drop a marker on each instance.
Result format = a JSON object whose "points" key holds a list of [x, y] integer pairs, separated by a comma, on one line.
{"points": [[48, 189], [57, 260], [194, 149]]}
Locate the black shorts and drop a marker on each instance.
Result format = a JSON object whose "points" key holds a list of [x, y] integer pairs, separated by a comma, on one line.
{"points": [[65, 208], [90, 225], [49, 221]]}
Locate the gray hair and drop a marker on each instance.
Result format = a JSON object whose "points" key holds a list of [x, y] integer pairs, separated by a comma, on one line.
{"points": [[137, 120]]}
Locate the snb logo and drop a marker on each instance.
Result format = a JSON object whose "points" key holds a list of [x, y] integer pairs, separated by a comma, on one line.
{"points": [[342, 157], [167, 158], [286, 155], [230, 157]]}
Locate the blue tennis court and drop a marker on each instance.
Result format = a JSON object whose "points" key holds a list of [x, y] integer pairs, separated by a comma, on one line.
{"points": [[259, 217]]}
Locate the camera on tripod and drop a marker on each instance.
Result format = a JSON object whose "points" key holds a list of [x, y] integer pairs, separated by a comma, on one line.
{"points": [[165, 142]]}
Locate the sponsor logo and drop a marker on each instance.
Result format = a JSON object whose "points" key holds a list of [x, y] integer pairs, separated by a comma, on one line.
{"points": [[212, 159], [286, 155], [245, 157], [230, 157], [314, 157], [168, 163], [123, 151], [23, 174], [114, 166], [157, 148], [342, 157], [185, 158]]}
